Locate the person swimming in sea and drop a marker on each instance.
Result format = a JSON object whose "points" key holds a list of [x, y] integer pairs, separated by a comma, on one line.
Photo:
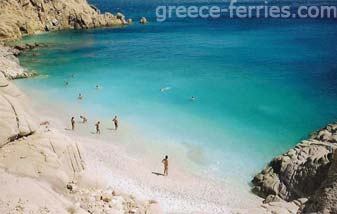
{"points": [[84, 119], [165, 89], [115, 121], [98, 87], [80, 97], [192, 98], [166, 163], [98, 129], [72, 123], [66, 83]]}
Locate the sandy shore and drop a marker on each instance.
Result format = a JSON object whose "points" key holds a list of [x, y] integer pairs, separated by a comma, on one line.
{"points": [[129, 160]]}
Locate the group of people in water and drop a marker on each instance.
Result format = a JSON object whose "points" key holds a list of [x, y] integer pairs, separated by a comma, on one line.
{"points": [[97, 125], [115, 121]]}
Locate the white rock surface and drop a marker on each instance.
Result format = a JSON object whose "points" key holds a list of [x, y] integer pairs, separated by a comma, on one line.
{"points": [[16, 117]]}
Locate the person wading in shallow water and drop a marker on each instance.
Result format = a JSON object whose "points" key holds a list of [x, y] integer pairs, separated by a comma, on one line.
{"points": [[72, 123], [165, 162], [98, 129], [80, 97], [115, 121], [84, 119]]}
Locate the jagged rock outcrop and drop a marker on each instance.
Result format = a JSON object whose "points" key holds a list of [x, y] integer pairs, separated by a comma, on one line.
{"points": [[303, 172], [325, 199], [27, 17]]}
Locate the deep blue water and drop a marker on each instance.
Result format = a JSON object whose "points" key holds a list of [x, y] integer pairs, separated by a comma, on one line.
{"points": [[261, 85]]}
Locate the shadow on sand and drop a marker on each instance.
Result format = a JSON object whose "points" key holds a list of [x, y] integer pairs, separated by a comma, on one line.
{"points": [[158, 174]]}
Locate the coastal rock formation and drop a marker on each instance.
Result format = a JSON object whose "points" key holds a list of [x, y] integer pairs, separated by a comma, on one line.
{"points": [[21, 48], [16, 118], [307, 171], [27, 17], [10, 66], [325, 199], [143, 21], [48, 155]]}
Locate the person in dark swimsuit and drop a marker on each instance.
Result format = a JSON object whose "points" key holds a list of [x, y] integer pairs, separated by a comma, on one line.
{"points": [[115, 121], [72, 123], [98, 129]]}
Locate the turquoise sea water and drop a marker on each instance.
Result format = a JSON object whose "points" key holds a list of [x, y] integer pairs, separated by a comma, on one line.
{"points": [[260, 85]]}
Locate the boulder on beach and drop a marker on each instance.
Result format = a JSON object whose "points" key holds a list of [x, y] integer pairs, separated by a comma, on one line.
{"points": [[143, 21]]}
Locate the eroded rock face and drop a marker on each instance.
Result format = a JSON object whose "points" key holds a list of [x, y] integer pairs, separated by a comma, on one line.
{"points": [[325, 199], [307, 171], [48, 155], [16, 117], [27, 17]]}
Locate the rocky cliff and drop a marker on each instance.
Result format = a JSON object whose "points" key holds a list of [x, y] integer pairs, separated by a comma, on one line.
{"points": [[307, 171], [27, 17]]}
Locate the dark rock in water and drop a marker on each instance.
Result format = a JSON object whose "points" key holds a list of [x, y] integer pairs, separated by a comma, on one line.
{"points": [[143, 21], [307, 171], [19, 49]]}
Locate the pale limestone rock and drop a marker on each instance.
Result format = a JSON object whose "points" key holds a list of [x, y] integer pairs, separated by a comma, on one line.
{"points": [[49, 156], [16, 117], [9, 64]]}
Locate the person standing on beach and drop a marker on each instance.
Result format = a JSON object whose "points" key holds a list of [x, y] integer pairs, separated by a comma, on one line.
{"points": [[98, 129], [72, 123], [165, 162], [115, 121]]}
